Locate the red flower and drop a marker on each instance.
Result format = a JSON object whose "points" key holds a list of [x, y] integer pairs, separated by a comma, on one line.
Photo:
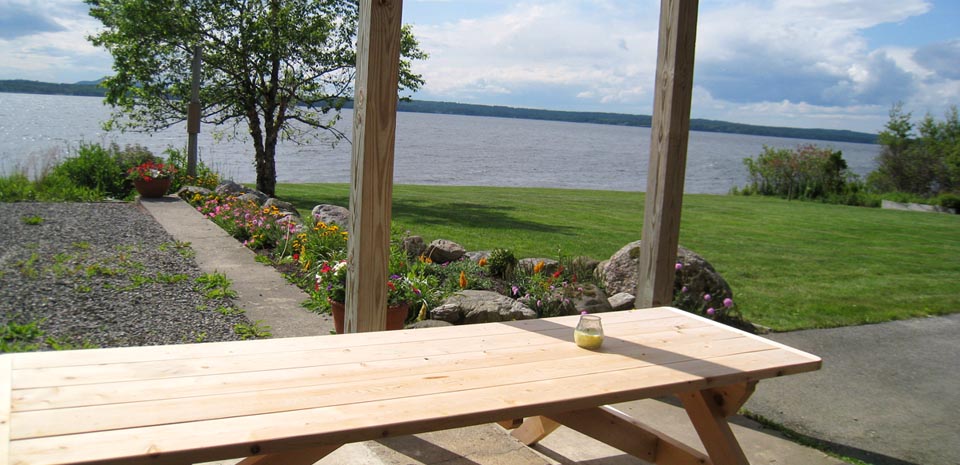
{"points": [[296, 257], [391, 286], [325, 268]]}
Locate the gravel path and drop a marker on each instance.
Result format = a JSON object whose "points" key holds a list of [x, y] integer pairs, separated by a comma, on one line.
{"points": [[102, 274]]}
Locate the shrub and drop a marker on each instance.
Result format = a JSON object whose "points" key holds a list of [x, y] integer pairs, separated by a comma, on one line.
{"points": [[205, 177], [808, 172], [501, 263], [949, 201]]}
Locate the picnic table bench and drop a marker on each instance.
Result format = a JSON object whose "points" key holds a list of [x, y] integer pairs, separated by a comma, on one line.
{"points": [[293, 401]]}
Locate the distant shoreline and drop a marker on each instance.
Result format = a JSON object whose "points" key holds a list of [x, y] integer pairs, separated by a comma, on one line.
{"points": [[92, 89]]}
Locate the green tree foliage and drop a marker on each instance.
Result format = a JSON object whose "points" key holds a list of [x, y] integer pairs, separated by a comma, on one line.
{"points": [[926, 165], [808, 172], [266, 63]]}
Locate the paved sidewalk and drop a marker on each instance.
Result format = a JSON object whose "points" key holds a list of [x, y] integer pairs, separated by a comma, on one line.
{"points": [[888, 394], [266, 296]]}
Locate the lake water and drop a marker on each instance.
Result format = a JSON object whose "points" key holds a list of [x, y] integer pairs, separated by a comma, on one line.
{"points": [[430, 149]]}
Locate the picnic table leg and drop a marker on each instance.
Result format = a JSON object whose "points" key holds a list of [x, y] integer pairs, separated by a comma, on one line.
{"points": [[534, 429], [307, 456], [617, 429], [708, 411]]}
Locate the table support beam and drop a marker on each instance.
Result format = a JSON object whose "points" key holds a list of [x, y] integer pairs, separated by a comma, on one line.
{"points": [[709, 419], [295, 457]]}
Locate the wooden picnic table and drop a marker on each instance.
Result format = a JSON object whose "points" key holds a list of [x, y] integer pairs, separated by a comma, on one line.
{"points": [[292, 401]]}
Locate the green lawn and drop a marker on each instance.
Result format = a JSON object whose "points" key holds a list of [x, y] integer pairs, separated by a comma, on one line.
{"points": [[791, 265]]}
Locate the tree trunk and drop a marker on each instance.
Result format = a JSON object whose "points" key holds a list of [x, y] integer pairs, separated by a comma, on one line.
{"points": [[267, 168]]}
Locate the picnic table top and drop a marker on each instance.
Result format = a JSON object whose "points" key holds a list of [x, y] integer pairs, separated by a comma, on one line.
{"points": [[233, 399]]}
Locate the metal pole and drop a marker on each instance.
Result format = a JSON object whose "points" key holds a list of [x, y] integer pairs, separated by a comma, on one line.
{"points": [[193, 115]]}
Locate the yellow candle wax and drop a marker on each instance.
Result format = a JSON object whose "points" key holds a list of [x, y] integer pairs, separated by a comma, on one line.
{"points": [[587, 340]]}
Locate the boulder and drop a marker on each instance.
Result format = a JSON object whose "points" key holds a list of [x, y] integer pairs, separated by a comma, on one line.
{"points": [[427, 324], [232, 189], [697, 277], [475, 256], [621, 273], [413, 246], [285, 207], [332, 214], [444, 251], [622, 301], [255, 197], [451, 313], [584, 266], [586, 298], [550, 266], [187, 192], [482, 307]]}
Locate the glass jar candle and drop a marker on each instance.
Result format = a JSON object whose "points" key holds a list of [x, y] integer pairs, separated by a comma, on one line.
{"points": [[589, 332]]}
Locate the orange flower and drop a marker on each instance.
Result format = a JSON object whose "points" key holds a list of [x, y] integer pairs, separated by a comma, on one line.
{"points": [[463, 280], [483, 261], [539, 266]]}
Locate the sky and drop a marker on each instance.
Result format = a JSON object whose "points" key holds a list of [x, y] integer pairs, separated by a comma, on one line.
{"points": [[837, 64]]}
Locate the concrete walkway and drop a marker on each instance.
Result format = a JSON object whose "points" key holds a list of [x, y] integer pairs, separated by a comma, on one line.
{"points": [[266, 296], [888, 394]]}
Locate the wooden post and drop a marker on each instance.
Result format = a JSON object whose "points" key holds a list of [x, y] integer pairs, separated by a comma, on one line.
{"points": [[668, 152], [193, 114], [371, 173]]}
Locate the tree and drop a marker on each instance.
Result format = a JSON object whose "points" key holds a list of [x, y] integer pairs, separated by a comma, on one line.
{"points": [[925, 164], [285, 68]]}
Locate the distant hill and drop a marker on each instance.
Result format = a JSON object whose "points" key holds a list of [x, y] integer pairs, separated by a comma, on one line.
{"points": [[20, 86], [91, 88]]}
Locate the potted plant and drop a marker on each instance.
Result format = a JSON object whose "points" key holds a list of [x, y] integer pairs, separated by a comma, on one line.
{"points": [[331, 282], [151, 179]]}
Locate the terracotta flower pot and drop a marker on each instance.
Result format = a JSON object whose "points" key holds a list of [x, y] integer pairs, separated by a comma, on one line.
{"points": [[396, 316], [153, 188]]}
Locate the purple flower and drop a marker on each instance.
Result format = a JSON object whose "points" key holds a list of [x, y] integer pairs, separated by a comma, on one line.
{"points": [[678, 266], [707, 297], [711, 311], [539, 303], [583, 312], [516, 290], [394, 277], [728, 302], [685, 289]]}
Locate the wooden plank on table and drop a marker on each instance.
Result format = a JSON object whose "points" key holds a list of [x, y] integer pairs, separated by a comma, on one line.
{"points": [[234, 437], [708, 419], [499, 336], [617, 429], [97, 387], [5, 398], [371, 172], [673, 93], [344, 341], [306, 456], [579, 363], [591, 375]]}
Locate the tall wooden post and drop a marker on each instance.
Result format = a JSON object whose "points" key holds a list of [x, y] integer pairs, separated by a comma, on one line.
{"points": [[668, 152], [193, 114], [371, 174]]}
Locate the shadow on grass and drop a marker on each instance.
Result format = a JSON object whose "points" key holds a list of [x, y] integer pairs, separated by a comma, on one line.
{"points": [[466, 214], [455, 214]]}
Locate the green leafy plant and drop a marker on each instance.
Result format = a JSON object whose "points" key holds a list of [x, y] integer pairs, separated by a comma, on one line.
{"points": [[32, 220], [501, 263], [20, 337], [255, 330], [215, 286]]}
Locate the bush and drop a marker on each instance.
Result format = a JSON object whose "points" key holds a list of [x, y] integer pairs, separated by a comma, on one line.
{"points": [[205, 177], [949, 201], [501, 263], [103, 170], [808, 172]]}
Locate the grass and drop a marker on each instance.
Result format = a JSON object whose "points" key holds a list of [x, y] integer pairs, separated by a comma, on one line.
{"points": [[792, 265]]}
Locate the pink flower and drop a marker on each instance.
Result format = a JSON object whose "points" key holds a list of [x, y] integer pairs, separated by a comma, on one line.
{"points": [[678, 266], [707, 297], [711, 311], [728, 302]]}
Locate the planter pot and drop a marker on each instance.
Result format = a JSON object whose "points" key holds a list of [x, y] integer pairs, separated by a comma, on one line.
{"points": [[152, 189], [396, 316]]}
